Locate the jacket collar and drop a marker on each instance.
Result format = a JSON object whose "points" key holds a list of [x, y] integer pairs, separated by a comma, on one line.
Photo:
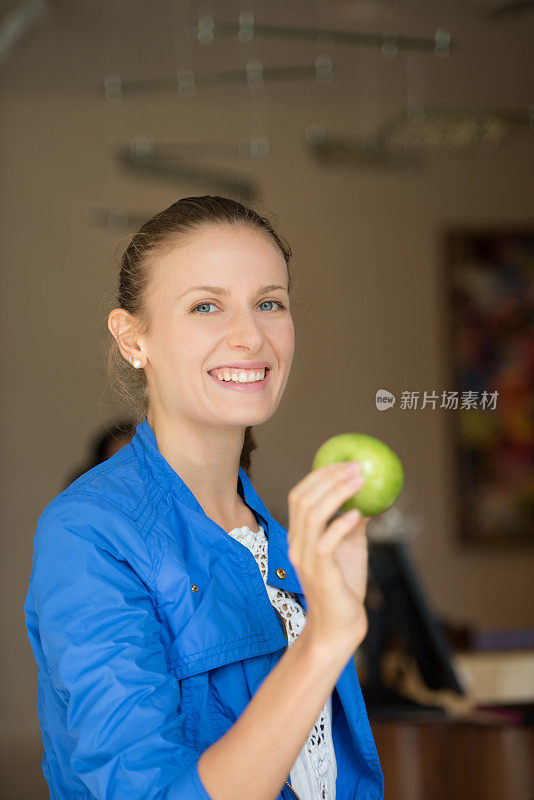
{"points": [[146, 448]]}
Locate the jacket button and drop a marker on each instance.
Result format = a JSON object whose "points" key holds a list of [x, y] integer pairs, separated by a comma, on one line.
{"points": [[281, 573], [194, 587]]}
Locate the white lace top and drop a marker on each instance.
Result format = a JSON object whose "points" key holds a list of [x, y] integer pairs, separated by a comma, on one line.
{"points": [[313, 775]]}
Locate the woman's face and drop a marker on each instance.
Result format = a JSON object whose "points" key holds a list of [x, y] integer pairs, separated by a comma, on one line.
{"points": [[195, 330]]}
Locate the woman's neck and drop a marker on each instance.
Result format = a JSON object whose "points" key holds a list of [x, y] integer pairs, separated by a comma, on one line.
{"points": [[207, 462]]}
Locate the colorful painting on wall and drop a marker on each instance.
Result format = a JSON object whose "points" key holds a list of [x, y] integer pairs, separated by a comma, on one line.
{"points": [[490, 275]]}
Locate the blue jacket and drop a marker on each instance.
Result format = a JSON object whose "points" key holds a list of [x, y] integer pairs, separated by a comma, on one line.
{"points": [[152, 631]]}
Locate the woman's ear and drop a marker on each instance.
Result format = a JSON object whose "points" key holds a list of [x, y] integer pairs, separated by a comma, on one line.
{"points": [[121, 327]]}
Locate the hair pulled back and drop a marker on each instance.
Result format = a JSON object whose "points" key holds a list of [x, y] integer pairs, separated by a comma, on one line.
{"points": [[156, 237]]}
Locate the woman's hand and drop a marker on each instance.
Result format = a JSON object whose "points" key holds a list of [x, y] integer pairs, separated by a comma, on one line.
{"points": [[331, 560]]}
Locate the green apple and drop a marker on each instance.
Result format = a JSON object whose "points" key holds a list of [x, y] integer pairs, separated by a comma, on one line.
{"points": [[381, 470]]}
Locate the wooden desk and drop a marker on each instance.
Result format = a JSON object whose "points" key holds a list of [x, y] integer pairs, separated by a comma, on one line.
{"points": [[454, 759]]}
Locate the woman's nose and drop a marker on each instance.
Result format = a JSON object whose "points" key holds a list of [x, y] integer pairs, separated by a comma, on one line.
{"points": [[245, 330]]}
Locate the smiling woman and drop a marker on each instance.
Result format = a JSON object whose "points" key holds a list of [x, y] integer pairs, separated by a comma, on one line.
{"points": [[164, 667], [160, 236]]}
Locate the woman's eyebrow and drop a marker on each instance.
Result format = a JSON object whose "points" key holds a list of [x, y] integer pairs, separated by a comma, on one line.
{"points": [[221, 290]]}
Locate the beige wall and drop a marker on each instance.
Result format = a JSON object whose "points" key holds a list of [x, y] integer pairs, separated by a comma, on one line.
{"points": [[367, 269]]}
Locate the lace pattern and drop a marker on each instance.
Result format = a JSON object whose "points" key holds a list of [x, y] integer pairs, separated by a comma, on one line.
{"points": [[313, 776]]}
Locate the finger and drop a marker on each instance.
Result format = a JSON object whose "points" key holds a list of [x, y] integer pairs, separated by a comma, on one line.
{"points": [[330, 501], [337, 531], [320, 513], [300, 523], [318, 476], [321, 559], [316, 484]]}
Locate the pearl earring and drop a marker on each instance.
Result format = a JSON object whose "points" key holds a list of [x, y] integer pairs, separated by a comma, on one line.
{"points": [[135, 362]]}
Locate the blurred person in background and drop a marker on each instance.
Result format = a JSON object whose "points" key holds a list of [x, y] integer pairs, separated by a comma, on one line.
{"points": [[105, 443]]}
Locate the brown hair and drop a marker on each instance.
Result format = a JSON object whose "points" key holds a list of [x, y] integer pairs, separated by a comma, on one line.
{"points": [[156, 236]]}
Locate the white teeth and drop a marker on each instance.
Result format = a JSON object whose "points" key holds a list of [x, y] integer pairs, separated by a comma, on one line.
{"points": [[240, 376]]}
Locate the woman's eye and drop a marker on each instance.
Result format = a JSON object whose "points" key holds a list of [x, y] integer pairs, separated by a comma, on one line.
{"points": [[203, 304], [277, 302], [281, 306]]}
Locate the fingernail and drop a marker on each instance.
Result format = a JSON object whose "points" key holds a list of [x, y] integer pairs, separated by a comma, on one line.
{"points": [[353, 467]]}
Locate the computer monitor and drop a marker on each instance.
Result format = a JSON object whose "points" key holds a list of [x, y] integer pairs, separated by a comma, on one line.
{"points": [[404, 611]]}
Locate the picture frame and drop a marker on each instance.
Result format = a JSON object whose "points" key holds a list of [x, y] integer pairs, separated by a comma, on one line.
{"points": [[489, 280]]}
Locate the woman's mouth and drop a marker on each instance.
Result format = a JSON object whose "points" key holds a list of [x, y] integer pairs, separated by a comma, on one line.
{"points": [[245, 386]]}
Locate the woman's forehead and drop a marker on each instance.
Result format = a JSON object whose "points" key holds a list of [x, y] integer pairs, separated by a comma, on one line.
{"points": [[223, 256]]}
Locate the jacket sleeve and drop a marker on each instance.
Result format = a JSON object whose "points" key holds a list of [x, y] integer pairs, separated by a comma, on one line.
{"points": [[101, 642]]}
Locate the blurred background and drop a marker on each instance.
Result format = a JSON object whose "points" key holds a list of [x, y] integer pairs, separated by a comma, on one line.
{"points": [[392, 142]]}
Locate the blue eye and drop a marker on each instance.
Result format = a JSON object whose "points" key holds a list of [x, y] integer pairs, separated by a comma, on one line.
{"points": [[278, 303], [281, 306], [202, 304]]}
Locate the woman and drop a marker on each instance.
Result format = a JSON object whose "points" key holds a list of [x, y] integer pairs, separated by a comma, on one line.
{"points": [[188, 646]]}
